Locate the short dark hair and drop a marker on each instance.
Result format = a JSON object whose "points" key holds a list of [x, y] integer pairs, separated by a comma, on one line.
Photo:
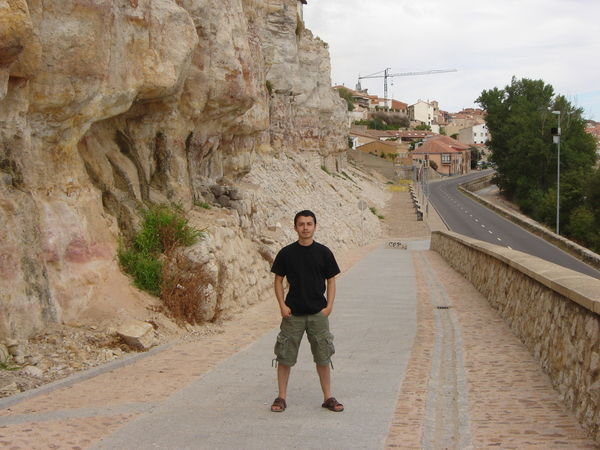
{"points": [[305, 213]]}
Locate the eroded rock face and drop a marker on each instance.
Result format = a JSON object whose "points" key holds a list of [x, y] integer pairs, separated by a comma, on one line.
{"points": [[107, 107]]}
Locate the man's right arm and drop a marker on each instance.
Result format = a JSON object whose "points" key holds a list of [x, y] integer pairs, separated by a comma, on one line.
{"points": [[278, 286]]}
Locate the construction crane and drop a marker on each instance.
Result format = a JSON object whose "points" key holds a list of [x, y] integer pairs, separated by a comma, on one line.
{"points": [[387, 74]]}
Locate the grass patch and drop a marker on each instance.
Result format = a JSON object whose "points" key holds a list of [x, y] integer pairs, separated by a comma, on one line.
{"points": [[164, 228], [375, 213], [6, 366], [203, 205], [396, 188]]}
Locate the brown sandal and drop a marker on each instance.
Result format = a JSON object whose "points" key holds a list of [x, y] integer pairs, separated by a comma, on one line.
{"points": [[278, 405], [333, 405]]}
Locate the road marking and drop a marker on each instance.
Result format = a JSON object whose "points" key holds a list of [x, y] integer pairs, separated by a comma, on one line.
{"points": [[499, 239], [490, 231]]}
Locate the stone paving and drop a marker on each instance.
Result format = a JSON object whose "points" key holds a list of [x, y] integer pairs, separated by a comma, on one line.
{"points": [[505, 400]]}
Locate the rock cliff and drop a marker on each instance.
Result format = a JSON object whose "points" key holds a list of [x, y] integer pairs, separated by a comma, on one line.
{"points": [[108, 106]]}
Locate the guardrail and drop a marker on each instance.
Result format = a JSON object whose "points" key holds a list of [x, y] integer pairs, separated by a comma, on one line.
{"points": [[417, 204]]}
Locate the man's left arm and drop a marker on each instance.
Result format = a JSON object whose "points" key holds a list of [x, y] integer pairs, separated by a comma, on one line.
{"points": [[330, 296]]}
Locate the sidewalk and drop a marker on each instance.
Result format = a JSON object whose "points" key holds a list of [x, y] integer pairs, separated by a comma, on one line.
{"points": [[421, 362]]}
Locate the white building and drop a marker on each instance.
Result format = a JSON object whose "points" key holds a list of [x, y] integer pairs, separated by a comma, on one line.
{"points": [[476, 134], [423, 112]]}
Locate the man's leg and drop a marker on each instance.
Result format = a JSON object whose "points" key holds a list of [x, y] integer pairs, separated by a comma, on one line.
{"points": [[286, 350], [283, 375], [321, 344], [329, 401], [325, 379]]}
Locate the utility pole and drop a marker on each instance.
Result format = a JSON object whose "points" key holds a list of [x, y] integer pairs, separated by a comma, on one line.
{"points": [[557, 141]]}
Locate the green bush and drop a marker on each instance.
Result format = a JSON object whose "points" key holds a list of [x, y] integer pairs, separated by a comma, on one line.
{"points": [[145, 269], [164, 228], [582, 227]]}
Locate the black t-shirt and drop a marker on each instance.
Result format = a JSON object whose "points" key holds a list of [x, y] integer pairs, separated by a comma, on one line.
{"points": [[306, 268]]}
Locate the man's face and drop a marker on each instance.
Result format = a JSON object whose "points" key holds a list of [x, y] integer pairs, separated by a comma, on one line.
{"points": [[305, 227]]}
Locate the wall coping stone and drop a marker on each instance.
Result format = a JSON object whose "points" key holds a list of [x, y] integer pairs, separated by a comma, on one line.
{"points": [[577, 287]]}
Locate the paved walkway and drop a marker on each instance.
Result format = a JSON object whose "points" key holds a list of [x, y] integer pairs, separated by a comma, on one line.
{"points": [[422, 362]]}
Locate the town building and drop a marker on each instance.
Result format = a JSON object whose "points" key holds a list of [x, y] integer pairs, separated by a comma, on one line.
{"points": [[474, 135], [449, 156], [423, 112]]}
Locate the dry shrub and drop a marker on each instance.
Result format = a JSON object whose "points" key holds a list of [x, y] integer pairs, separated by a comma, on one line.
{"points": [[181, 291]]}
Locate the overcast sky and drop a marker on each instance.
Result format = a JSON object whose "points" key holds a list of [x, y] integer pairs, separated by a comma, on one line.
{"points": [[487, 41]]}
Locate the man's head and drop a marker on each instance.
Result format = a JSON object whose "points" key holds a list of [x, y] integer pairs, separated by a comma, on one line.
{"points": [[305, 224], [305, 213]]}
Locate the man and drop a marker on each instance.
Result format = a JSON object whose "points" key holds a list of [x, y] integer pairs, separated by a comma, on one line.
{"points": [[310, 269]]}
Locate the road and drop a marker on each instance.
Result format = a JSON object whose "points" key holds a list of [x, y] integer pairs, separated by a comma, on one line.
{"points": [[465, 216]]}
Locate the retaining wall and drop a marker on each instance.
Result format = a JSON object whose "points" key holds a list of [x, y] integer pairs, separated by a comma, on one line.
{"points": [[553, 310]]}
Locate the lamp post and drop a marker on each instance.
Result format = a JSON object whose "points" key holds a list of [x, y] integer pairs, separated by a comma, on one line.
{"points": [[557, 141]]}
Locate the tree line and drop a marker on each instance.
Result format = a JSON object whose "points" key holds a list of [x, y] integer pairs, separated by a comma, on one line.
{"points": [[522, 124]]}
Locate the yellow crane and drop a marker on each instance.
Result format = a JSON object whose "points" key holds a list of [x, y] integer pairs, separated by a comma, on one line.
{"points": [[386, 74]]}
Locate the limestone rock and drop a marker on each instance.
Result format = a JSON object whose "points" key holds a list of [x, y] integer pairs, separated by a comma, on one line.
{"points": [[4, 355], [138, 335], [175, 99], [9, 389], [32, 371]]}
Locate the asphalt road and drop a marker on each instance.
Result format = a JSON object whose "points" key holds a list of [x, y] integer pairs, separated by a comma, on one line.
{"points": [[465, 216]]}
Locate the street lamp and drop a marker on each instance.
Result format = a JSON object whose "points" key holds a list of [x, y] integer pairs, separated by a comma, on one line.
{"points": [[557, 141]]}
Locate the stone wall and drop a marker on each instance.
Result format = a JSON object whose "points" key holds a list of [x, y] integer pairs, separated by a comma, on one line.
{"points": [[553, 310]]}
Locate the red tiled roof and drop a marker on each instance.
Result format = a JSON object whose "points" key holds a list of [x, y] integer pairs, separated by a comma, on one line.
{"points": [[415, 133], [364, 133], [441, 144], [370, 144], [398, 105], [594, 130]]}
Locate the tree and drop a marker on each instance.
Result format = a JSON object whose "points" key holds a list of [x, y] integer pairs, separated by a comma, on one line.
{"points": [[393, 121], [423, 127], [346, 94], [519, 118], [475, 156]]}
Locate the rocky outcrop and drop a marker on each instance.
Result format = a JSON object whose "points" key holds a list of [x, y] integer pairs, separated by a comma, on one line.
{"points": [[107, 107]]}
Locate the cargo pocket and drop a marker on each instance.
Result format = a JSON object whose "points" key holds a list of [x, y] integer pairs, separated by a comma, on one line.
{"points": [[283, 350], [324, 349]]}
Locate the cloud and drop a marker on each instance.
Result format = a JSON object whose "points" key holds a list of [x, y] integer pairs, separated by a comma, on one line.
{"points": [[488, 42]]}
